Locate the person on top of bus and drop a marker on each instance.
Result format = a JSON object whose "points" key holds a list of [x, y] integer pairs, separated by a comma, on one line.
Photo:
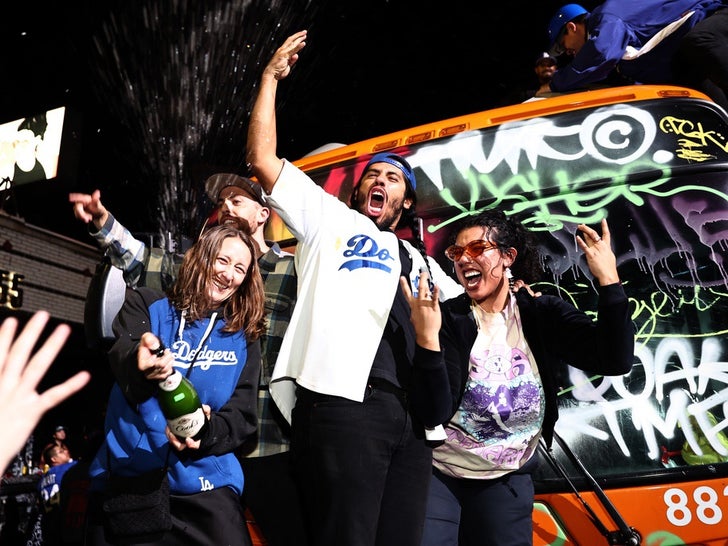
{"points": [[651, 41]]}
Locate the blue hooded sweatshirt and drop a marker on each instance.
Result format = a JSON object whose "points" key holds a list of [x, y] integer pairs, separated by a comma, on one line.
{"points": [[225, 373]]}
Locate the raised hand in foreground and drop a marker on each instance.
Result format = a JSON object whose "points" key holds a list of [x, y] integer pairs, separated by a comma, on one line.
{"points": [[20, 372]]}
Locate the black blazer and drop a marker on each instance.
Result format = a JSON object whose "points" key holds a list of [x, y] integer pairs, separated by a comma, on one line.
{"points": [[556, 332]]}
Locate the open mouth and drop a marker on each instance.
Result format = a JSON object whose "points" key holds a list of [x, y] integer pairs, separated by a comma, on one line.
{"points": [[472, 278], [219, 285], [376, 200]]}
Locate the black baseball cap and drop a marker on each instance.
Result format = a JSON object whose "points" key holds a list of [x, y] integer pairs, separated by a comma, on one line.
{"points": [[219, 181]]}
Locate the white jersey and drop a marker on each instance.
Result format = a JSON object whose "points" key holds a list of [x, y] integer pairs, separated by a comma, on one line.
{"points": [[348, 273]]}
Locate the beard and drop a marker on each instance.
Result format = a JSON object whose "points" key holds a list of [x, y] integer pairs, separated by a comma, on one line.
{"points": [[388, 219]]}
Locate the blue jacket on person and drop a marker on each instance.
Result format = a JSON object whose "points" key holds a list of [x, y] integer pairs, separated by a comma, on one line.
{"points": [[49, 485], [615, 25], [225, 373]]}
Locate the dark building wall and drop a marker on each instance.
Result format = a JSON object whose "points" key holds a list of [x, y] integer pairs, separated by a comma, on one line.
{"points": [[43, 270]]}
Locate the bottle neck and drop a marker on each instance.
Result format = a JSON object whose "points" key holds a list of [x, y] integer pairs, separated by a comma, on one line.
{"points": [[172, 382]]}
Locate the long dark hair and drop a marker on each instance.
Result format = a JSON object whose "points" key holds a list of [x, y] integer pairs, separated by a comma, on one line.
{"points": [[508, 232], [245, 309]]}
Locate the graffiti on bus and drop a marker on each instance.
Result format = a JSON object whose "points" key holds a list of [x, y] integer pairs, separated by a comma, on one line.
{"points": [[670, 235]]}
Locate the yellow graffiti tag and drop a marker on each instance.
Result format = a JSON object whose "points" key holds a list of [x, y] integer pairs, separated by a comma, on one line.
{"points": [[695, 137]]}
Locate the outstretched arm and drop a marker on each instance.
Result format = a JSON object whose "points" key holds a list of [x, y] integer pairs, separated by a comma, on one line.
{"points": [[20, 373], [601, 53], [88, 208], [262, 138], [125, 251], [604, 346]]}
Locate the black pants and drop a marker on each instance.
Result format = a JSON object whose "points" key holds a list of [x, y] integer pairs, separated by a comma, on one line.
{"points": [[364, 468], [701, 60], [271, 494], [210, 517]]}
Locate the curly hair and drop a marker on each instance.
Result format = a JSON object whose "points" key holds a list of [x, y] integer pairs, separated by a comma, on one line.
{"points": [[508, 232], [245, 308]]}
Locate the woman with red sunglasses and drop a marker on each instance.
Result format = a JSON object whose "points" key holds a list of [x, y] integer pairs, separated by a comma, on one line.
{"points": [[501, 348]]}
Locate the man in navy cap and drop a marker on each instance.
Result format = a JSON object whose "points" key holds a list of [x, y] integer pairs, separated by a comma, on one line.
{"points": [[60, 437], [650, 41], [346, 363], [544, 68]]}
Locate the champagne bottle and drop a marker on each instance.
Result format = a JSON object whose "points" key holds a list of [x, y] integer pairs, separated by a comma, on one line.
{"points": [[181, 406]]}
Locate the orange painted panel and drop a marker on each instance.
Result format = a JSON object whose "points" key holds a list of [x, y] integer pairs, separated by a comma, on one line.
{"points": [[670, 514]]}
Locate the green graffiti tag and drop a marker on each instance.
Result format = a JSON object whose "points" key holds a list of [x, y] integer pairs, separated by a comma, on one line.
{"points": [[583, 199], [647, 312], [559, 538], [664, 538]]}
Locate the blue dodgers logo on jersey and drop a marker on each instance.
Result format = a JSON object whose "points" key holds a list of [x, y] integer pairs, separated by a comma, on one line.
{"points": [[366, 253]]}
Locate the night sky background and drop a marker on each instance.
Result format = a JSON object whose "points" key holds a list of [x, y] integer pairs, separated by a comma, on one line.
{"points": [[160, 90]]}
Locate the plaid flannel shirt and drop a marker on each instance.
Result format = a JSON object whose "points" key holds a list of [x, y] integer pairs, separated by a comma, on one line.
{"points": [[280, 281], [158, 269]]}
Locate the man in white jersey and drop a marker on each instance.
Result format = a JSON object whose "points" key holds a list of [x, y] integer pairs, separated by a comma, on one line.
{"points": [[345, 370]]}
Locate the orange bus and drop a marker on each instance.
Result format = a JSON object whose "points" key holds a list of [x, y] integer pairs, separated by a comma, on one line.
{"points": [[639, 459]]}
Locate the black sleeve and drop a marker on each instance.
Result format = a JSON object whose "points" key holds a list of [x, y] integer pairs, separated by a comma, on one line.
{"points": [[604, 346], [615, 330], [430, 387], [438, 377], [128, 327], [237, 419]]}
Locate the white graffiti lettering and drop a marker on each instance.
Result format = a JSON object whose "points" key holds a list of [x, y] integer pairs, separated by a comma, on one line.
{"points": [[615, 135], [695, 387]]}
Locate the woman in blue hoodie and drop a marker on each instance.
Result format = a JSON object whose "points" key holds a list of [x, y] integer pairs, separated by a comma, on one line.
{"points": [[210, 322]]}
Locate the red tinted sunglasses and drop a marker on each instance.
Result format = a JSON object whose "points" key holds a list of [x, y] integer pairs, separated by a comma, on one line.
{"points": [[472, 249]]}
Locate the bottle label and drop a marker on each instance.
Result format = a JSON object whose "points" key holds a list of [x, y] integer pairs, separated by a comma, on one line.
{"points": [[172, 381], [187, 425]]}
